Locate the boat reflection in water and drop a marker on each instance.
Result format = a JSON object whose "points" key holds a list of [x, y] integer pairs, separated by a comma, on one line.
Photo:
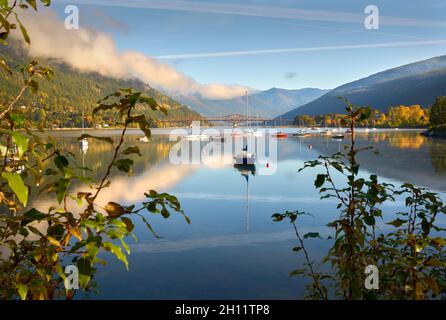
{"points": [[245, 157], [246, 170]]}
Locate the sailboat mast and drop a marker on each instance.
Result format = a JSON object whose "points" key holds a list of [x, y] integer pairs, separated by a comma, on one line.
{"points": [[83, 125], [247, 205], [247, 109]]}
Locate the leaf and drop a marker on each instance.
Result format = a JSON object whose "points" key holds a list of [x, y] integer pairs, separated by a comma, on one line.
{"points": [[24, 32], [4, 66], [16, 184], [397, 223], [143, 125], [18, 118], [312, 235], [61, 187], [104, 107], [32, 215], [22, 290], [93, 246], [61, 162], [46, 3], [278, 217], [129, 224], [76, 233], [34, 85], [297, 249], [86, 136], [337, 166], [4, 23], [433, 285], [149, 226], [320, 180], [432, 262], [297, 272], [115, 210], [33, 4], [21, 141], [438, 242], [151, 102], [124, 165], [117, 251], [369, 220], [85, 272], [132, 150], [53, 241]]}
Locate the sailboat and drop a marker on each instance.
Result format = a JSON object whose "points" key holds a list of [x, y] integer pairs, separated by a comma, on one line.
{"points": [[250, 131], [244, 157], [83, 142], [300, 133], [338, 135], [246, 171], [197, 137]]}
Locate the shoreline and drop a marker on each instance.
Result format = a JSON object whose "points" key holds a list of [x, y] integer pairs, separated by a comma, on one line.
{"points": [[217, 127]]}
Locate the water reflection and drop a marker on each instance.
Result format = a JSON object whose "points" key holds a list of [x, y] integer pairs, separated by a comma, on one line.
{"points": [[400, 140], [437, 152], [246, 170], [232, 249]]}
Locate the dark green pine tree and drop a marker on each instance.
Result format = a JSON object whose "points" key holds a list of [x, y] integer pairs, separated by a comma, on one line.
{"points": [[438, 113]]}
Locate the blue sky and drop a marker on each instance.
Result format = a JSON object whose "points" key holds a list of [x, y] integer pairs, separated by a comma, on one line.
{"points": [[178, 28]]}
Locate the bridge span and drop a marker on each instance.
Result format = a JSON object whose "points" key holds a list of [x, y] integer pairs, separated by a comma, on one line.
{"points": [[234, 119]]}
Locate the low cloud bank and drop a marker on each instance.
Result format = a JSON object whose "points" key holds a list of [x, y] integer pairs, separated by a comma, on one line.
{"points": [[89, 50]]}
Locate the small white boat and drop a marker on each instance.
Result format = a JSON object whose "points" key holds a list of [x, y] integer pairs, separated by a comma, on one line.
{"points": [[314, 130], [84, 142], [338, 135], [197, 137], [244, 157], [250, 131], [143, 139], [258, 133], [300, 133], [236, 133], [221, 138], [84, 145]]}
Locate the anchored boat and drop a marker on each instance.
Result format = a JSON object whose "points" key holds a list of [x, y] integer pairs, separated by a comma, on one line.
{"points": [[244, 157], [280, 135]]}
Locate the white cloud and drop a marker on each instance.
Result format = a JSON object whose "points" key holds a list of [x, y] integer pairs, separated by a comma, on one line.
{"points": [[92, 51], [301, 49]]}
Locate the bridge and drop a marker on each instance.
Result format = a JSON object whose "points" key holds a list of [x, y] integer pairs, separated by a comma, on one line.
{"points": [[232, 119]]}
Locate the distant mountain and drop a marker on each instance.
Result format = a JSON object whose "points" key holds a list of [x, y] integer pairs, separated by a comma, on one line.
{"points": [[417, 83], [62, 99], [269, 103]]}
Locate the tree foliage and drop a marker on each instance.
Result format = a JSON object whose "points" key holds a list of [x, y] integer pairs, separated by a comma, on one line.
{"points": [[438, 113], [35, 245], [59, 103], [399, 116], [410, 256]]}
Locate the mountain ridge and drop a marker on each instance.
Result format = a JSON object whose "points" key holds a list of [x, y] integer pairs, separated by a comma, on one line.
{"points": [[61, 100], [415, 83], [268, 103]]}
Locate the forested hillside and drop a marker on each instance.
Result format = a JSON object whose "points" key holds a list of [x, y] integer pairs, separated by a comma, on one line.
{"points": [[60, 102]]}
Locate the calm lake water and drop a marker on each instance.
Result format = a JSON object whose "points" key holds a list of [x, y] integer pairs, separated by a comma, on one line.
{"points": [[232, 249]]}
